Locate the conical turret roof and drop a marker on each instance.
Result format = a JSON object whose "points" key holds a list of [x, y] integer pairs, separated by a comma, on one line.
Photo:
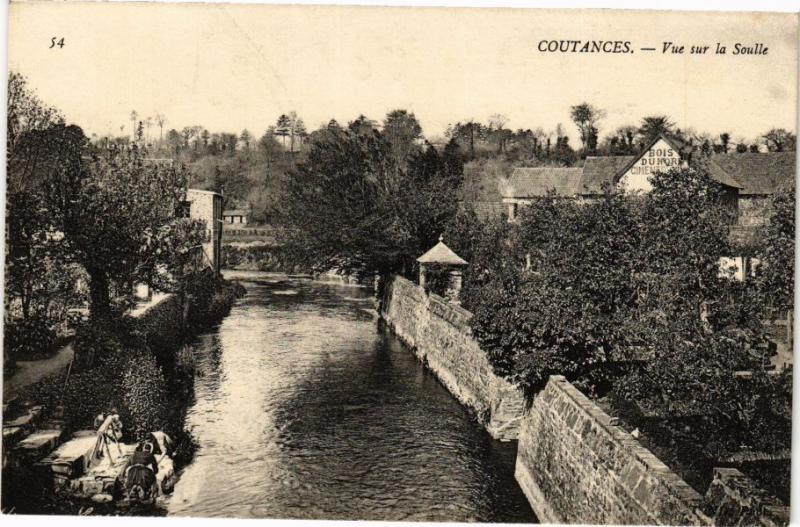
{"points": [[441, 254]]}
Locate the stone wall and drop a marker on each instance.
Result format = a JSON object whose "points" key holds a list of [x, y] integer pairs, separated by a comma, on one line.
{"points": [[753, 211], [576, 466], [440, 336], [734, 499]]}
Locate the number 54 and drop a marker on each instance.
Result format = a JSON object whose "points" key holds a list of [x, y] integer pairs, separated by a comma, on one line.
{"points": [[55, 41]]}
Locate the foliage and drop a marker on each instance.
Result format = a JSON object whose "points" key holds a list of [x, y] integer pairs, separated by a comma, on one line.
{"points": [[654, 125], [175, 255], [350, 206], [402, 130], [562, 315], [484, 245], [28, 338], [39, 278], [115, 208], [261, 258], [586, 118], [625, 292], [779, 140], [776, 275], [143, 390]]}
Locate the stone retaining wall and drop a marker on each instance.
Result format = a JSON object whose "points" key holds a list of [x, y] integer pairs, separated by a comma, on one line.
{"points": [[736, 500], [576, 466], [440, 336]]}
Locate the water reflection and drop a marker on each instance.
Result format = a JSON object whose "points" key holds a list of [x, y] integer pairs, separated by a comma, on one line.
{"points": [[305, 409]]}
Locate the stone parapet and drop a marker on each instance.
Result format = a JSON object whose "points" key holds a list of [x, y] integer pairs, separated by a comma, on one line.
{"points": [[440, 336], [576, 466]]}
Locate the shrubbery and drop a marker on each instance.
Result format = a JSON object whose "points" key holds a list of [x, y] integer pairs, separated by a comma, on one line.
{"points": [[266, 258], [29, 339], [624, 293]]}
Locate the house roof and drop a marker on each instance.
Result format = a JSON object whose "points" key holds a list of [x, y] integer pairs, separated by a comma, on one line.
{"points": [[235, 212], [753, 173], [758, 173], [537, 182], [441, 254], [600, 171]]}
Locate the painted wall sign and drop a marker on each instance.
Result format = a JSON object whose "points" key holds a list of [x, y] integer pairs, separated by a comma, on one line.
{"points": [[659, 158]]}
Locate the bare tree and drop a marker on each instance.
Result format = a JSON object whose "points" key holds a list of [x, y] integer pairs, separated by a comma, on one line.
{"points": [[161, 120], [134, 116]]}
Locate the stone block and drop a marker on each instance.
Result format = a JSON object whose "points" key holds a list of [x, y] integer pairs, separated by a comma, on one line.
{"points": [[37, 444]]}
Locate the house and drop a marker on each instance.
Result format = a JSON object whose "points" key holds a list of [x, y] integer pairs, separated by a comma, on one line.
{"points": [[748, 179], [207, 206], [235, 216]]}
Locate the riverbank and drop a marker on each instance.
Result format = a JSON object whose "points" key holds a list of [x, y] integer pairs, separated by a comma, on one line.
{"points": [[140, 366]]}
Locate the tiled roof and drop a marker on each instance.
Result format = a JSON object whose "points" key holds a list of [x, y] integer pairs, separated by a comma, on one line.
{"points": [[441, 254], [236, 212], [598, 171], [535, 182], [718, 174], [488, 209], [758, 173]]}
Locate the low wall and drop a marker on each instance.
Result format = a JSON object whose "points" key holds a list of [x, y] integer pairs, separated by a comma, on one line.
{"points": [[440, 336], [575, 466]]}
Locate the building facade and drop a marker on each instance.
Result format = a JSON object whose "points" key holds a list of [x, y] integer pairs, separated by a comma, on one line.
{"points": [[207, 206], [236, 216]]}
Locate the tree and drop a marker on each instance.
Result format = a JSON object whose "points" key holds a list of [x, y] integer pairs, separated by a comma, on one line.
{"points": [[699, 327], [349, 206], [174, 141], [564, 153], [161, 120], [246, 138], [362, 125], [775, 276], [25, 112], [779, 140], [112, 208], [654, 125], [725, 139], [402, 130], [586, 117], [282, 127], [39, 277], [562, 315], [134, 117], [296, 129], [467, 134]]}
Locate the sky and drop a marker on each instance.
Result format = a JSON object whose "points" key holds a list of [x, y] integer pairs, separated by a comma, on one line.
{"points": [[231, 67]]}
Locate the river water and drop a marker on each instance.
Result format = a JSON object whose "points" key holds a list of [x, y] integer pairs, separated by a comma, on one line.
{"points": [[305, 408]]}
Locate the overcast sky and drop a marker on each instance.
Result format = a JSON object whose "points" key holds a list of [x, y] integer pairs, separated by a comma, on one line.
{"points": [[230, 67]]}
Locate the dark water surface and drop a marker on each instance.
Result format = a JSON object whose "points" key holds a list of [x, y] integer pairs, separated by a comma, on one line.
{"points": [[306, 409]]}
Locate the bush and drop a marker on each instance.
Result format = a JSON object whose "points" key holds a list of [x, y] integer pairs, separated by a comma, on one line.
{"points": [[29, 339], [624, 291], [143, 395]]}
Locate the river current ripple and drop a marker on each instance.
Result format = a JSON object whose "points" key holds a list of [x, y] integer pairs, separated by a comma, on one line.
{"points": [[305, 408]]}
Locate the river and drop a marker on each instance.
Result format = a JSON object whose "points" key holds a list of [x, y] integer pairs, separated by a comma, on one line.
{"points": [[305, 408]]}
